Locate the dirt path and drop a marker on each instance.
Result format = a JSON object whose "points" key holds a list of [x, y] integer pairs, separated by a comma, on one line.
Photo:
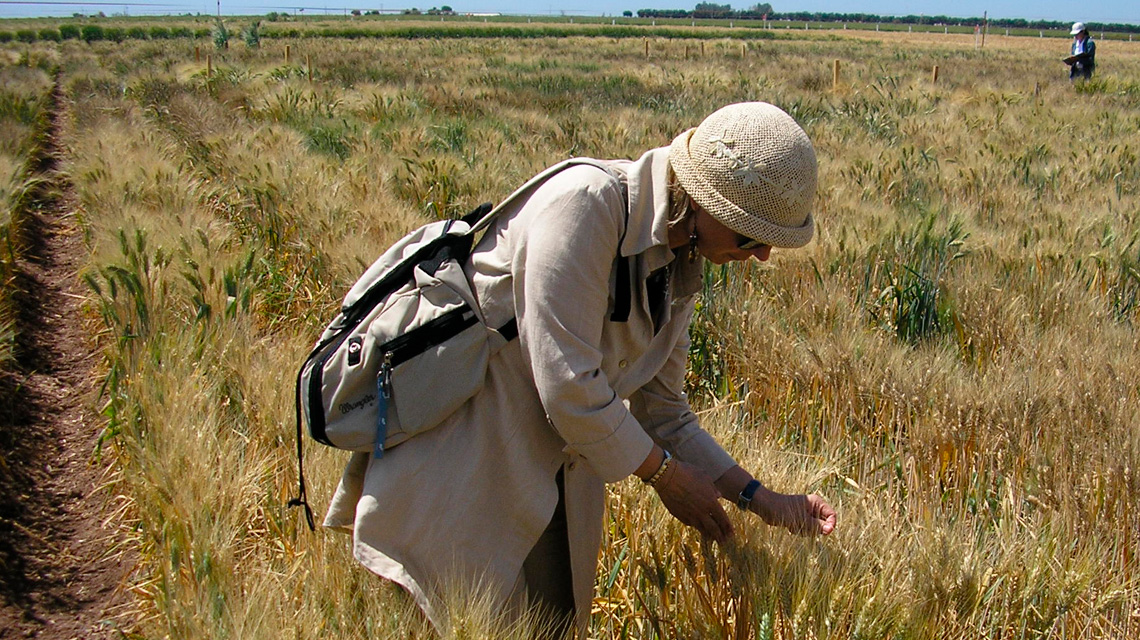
{"points": [[61, 568]]}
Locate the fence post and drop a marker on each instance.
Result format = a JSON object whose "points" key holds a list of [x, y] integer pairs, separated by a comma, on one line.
{"points": [[647, 47], [934, 75], [287, 54], [197, 55], [835, 75], [743, 51]]}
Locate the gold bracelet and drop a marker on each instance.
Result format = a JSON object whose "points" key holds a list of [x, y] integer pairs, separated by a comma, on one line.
{"points": [[653, 479]]}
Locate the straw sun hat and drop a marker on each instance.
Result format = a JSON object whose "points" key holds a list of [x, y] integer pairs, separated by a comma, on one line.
{"points": [[750, 166]]}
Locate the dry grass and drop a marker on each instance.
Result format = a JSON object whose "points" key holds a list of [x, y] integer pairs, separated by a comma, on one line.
{"points": [[953, 361]]}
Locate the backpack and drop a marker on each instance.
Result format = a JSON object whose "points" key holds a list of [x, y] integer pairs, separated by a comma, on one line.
{"points": [[410, 344]]}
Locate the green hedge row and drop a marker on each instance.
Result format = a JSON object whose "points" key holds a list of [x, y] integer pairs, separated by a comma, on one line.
{"points": [[506, 31], [94, 32]]}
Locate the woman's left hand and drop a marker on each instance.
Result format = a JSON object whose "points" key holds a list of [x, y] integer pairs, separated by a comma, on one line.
{"points": [[690, 495]]}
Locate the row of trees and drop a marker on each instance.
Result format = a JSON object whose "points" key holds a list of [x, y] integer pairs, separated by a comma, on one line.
{"points": [[709, 10], [765, 12]]}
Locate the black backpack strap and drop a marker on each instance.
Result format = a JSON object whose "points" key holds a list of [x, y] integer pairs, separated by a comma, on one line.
{"points": [[510, 330], [623, 297], [302, 499], [472, 219]]}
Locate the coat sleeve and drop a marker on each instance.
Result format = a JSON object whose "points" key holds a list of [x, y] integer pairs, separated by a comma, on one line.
{"points": [[561, 274], [663, 408]]}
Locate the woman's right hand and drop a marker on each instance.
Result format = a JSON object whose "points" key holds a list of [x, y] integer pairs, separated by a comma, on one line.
{"points": [[807, 515], [690, 495]]}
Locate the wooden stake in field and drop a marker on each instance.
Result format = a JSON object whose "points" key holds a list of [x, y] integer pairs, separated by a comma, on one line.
{"points": [[197, 55], [743, 50], [647, 47], [309, 66], [835, 74], [934, 75], [286, 54]]}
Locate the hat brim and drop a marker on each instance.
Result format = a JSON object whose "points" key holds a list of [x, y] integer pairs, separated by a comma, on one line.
{"points": [[725, 211]]}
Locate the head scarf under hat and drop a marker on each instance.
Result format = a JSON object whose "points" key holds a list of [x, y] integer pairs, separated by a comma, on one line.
{"points": [[750, 166]]}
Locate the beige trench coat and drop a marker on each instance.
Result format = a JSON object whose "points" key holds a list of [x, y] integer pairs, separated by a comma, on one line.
{"points": [[465, 502]]}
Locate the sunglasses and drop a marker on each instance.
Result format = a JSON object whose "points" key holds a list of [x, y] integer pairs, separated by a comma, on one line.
{"points": [[748, 244]]}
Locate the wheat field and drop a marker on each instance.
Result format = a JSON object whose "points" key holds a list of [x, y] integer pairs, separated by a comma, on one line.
{"points": [[952, 362]]}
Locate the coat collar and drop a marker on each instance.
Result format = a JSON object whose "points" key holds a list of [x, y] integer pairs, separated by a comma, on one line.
{"points": [[647, 181]]}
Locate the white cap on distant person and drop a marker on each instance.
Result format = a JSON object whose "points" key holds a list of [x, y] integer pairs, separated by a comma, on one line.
{"points": [[1077, 28]]}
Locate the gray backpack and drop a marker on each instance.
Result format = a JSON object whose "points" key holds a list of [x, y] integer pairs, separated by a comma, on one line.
{"points": [[384, 370]]}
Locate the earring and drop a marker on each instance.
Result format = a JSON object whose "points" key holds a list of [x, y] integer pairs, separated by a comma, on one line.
{"points": [[691, 218]]}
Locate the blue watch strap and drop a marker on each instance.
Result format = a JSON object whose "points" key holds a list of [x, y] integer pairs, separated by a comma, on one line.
{"points": [[745, 497]]}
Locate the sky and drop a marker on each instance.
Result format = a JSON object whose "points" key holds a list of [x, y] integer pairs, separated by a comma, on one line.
{"points": [[1122, 11]]}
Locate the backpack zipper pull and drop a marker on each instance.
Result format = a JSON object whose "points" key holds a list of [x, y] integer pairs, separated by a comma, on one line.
{"points": [[384, 393]]}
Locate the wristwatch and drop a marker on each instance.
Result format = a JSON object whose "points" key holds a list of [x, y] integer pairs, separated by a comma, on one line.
{"points": [[745, 497]]}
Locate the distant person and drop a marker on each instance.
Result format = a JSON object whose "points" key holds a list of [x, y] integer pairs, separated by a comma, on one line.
{"points": [[1082, 62]]}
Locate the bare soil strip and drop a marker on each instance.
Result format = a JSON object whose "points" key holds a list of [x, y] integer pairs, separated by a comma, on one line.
{"points": [[62, 562]]}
